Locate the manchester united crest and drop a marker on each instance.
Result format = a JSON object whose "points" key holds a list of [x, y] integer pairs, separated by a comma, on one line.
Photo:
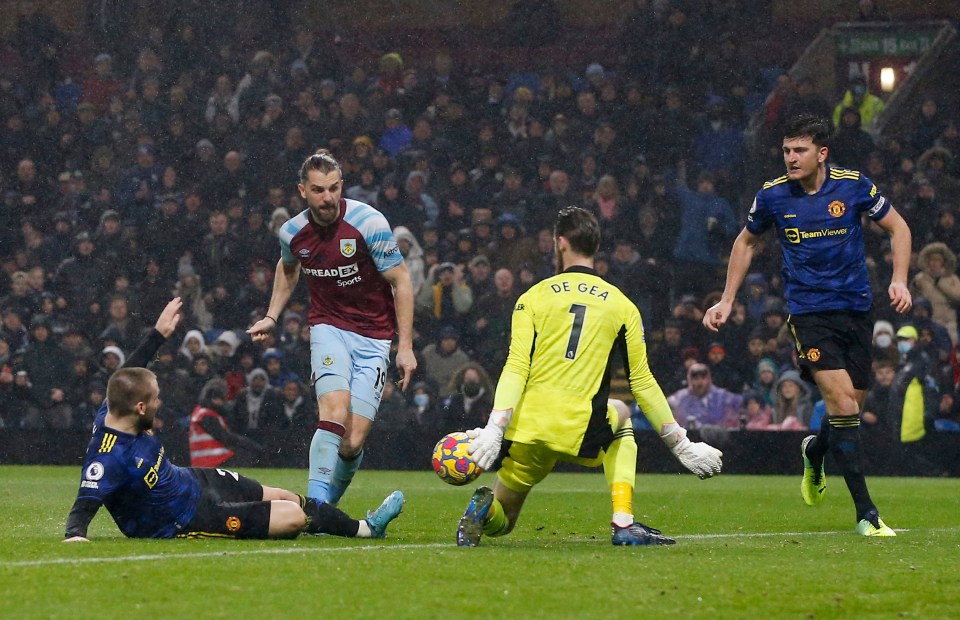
{"points": [[233, 524], [836, 208], [813, 355], [348, 247]]}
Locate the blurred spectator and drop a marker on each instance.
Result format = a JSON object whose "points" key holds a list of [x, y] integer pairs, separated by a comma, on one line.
{"points": [[859, 98], [258, 406], [470, 401], [490, 321], [445, 299], [412, 255], [442, 358], [277, 372], [81, 278], [512, 247], [718, 146], [878, 412], [708, 224], [20, 296], [936, 164], [928, 126], [937, 281], [850, 145], [755, 413], [427, 410], [921, 317], [868, 11], [915, 400], [884, 343], [703, 404], [722, 371], [47, 376], [99, 87], [220, 259], [792, 405], [763, 379], [194, 310], [212, 443]]}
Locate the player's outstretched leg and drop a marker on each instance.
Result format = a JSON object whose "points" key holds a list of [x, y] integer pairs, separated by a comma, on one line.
{"points": [[470, 528], [639, 534], [378, 519], [814, 483]]}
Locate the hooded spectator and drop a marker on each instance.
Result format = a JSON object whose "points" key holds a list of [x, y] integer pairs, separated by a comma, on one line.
{"points": [[938, 282], [792, 404]]}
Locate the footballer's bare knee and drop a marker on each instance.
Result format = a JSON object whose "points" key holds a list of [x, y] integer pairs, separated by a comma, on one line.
{"points": [[287, 519], [623, 411]]}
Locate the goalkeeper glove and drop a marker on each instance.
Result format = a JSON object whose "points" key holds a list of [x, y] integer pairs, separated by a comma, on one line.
{"points": [[485, 442], [700, 458]]}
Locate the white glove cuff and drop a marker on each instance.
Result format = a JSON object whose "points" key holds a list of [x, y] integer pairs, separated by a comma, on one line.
{"points": [[500, 418], [672, 434]]}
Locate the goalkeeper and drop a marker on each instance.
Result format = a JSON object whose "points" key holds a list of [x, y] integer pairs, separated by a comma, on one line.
{"points": [[551, 401]]}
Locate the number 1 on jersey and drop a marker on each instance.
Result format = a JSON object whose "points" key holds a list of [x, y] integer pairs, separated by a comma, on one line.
{"points": [[579, 311]]}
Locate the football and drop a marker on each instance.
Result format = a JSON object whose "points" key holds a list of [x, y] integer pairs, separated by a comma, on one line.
{"points": [[451, 461]]}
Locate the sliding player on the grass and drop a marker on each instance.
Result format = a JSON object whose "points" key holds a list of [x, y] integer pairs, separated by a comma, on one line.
{"points": [[127, 470], [551, 402]]}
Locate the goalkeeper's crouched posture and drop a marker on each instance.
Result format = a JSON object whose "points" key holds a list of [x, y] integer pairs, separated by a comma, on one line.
{"points": [[550, 403]]}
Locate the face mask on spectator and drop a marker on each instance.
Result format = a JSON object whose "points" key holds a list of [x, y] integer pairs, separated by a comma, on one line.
{"points": [[884, 340], [904, 346], [421, 400], [471, 389]]}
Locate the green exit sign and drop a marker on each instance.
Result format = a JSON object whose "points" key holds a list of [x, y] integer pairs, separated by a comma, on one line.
{"points": [[909, 44]]}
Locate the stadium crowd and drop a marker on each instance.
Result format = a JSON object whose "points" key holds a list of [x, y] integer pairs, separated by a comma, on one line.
{"points": [[164, 166]]}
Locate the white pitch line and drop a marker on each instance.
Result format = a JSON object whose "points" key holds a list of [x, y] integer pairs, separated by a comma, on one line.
{"points": [[290, 550], [209, 554], [769, 534]]}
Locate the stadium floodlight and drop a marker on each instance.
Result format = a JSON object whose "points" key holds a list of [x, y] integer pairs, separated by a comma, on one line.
{"points": [[888, 79]]}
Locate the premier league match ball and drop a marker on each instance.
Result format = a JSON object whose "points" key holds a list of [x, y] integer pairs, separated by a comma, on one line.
{"points": [[451, 461]]}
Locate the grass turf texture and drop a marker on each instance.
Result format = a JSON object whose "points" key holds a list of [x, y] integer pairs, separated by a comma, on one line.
{"points": [[746, 547]]}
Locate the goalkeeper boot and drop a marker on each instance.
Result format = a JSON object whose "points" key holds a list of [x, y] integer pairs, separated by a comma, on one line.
{"points": [[872, 525], [471, 523], [384, 514], [814, 482], [639, 534]]}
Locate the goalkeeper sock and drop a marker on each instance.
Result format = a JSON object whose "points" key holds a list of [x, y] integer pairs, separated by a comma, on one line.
{"points": [[621, 495], [846, 448], [496, 523], [323, 458], [620, 469], [620, 458], [343, 473]]}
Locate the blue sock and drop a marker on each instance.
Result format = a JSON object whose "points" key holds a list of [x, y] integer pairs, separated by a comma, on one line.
{"points": [[342, 476], [323, 459]]}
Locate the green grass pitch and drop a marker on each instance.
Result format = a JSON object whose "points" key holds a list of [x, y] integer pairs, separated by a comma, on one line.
{"points": [[746, 547]]}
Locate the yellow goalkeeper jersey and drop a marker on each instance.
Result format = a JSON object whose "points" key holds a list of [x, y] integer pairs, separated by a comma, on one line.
{"points": [[568, 333]]}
